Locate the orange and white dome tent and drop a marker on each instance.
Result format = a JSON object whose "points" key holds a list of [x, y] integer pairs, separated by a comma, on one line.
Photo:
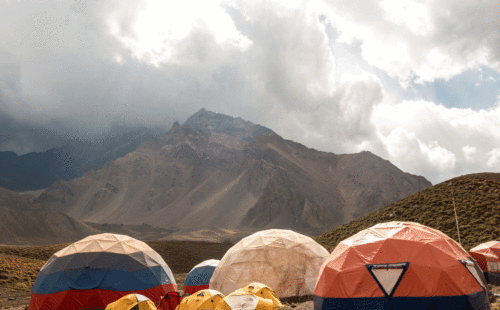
{"points": [[98, 270], [286, 261], [487, 256], [490, 247], [400, 265]]}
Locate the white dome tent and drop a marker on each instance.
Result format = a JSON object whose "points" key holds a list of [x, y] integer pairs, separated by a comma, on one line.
{"points": [[284, 260]]}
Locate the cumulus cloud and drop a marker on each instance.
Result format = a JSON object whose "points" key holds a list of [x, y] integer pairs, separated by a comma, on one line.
{"points": [[444, 142], [406, 150], [340, 122], [415, 40], [493, 159], [290, 75], [469, 151]]}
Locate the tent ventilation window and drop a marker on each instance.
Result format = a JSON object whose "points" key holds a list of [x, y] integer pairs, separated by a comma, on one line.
{"points": [[492, 266], [388, 276], [473, 270]]}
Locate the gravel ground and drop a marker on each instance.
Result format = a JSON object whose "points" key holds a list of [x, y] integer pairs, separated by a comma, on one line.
{"points": [[308, 305]]}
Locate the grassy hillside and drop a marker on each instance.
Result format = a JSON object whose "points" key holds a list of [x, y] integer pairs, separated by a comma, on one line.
{"points": [[477, 202]]}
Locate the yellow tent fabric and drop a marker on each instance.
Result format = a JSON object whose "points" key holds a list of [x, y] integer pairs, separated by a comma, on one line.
{"points": [[260, 290], [204, 299], [239, 301], [132, 302]]}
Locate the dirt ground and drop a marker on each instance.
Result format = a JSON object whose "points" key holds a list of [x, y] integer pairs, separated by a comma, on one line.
{"points": [[12, 299]]}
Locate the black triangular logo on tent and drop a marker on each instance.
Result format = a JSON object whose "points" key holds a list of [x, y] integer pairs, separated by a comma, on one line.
{"points": [[388, 276]]}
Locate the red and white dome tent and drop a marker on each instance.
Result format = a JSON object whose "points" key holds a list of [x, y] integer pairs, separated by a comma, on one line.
{"points": [[487, 256], [400, 265]]}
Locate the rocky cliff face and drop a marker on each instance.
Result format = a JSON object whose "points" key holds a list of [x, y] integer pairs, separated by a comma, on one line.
{"points": [[211, 122], [216, 175]]}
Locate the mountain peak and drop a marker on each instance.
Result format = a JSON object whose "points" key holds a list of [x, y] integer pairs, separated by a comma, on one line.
{"points": [[212, 122], [175, 126]]}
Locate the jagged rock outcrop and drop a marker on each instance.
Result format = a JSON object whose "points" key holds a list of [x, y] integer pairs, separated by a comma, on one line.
{"points": [[211, 122]]}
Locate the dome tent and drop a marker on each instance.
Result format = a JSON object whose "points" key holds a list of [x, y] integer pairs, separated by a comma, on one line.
{"points": [[254, 296], [400, 265], [199, 276], [132, 302], [487, 256], [259, 290], [203, 299], [99, 269], [490, 247], [286, 261]]}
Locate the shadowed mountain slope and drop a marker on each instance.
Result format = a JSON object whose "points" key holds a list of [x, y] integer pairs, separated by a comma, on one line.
{"points": [[232, 179], [25, 223], [38, 170], [477, 203]]}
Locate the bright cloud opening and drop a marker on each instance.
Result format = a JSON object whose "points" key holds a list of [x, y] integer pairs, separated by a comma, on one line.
{"points": [[162, 25], [413, 15], [469, 151]]}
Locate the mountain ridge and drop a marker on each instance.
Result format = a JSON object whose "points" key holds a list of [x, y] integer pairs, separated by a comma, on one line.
{"points": [[38, 170], [232, 179]]}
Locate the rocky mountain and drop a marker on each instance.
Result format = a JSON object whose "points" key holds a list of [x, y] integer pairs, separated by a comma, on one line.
{"points": [[476, 201], [231, 177], [38, 170], [211, 122], [25, 223]]}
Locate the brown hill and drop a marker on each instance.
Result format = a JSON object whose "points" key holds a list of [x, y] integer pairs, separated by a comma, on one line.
{"points": [[234, 180], [23, 222], [477, 204]]}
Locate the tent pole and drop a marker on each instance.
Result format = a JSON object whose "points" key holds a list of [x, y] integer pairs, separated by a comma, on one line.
{"points": [[456, 218]]}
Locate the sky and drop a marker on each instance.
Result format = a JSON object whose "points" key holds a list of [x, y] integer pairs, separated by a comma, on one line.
{"points": [[414, 82]]}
